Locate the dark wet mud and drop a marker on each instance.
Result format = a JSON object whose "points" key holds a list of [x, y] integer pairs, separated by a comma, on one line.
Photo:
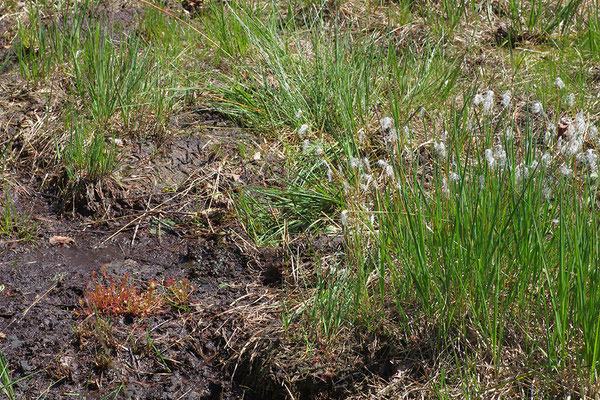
{"points": [[167, 215], [54, 350], [172, 218]]}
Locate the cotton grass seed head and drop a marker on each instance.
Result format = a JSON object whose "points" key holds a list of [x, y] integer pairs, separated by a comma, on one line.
{"points": [[454, 177], [570, 99], [519, 172], [574, 146], [523, 172], [306, 147], [536, 108], [381, 163], [389, 171], [386, 167], [546, 159], [561, 147], [488, 102], [439, 149], [489, 158], [386, 124], [565, 171], [592, 158], [559, 83], [506, 99], [589, 159], [302, 131], [391, 137], [581, 123], [365, 182], [362, 137], [344, 218], [445, 188], [534, 165], [500, 156], [547, 192]]}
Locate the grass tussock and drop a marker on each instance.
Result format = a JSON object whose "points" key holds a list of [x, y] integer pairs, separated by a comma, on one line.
{"points": [[101, 83], [15, 225]]}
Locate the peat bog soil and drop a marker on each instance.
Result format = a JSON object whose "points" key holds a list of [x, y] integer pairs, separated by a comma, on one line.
{"points": [[169, 217], [53, 349]]}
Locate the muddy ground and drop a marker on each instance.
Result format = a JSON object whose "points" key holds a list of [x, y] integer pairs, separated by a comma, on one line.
{"points": [[56, 350], [229, 344], [169, 213]]}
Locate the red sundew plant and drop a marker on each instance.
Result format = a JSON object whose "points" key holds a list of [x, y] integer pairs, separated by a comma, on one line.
{"points": [[118, 296], [177, 293]]}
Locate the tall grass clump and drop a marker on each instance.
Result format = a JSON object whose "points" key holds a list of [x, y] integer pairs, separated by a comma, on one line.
{"points": [[281, 80], [30, 48], [544, 19], [14, 224], [6, 383], [48, 38], [291, 72], [315, 88], [303, 204], [109, 73], [496, 233], [86, 154], [532, 18], [108, 78]]}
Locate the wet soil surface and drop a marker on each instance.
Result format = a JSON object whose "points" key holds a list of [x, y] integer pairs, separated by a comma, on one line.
{"points": [[173, 354], [167, 214], [169, 217], [59, 350]]}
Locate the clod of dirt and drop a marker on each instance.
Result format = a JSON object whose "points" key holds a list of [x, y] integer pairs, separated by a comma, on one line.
{"points": [[194, 7], [563, 129], [505, 34], [54, 240]]}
